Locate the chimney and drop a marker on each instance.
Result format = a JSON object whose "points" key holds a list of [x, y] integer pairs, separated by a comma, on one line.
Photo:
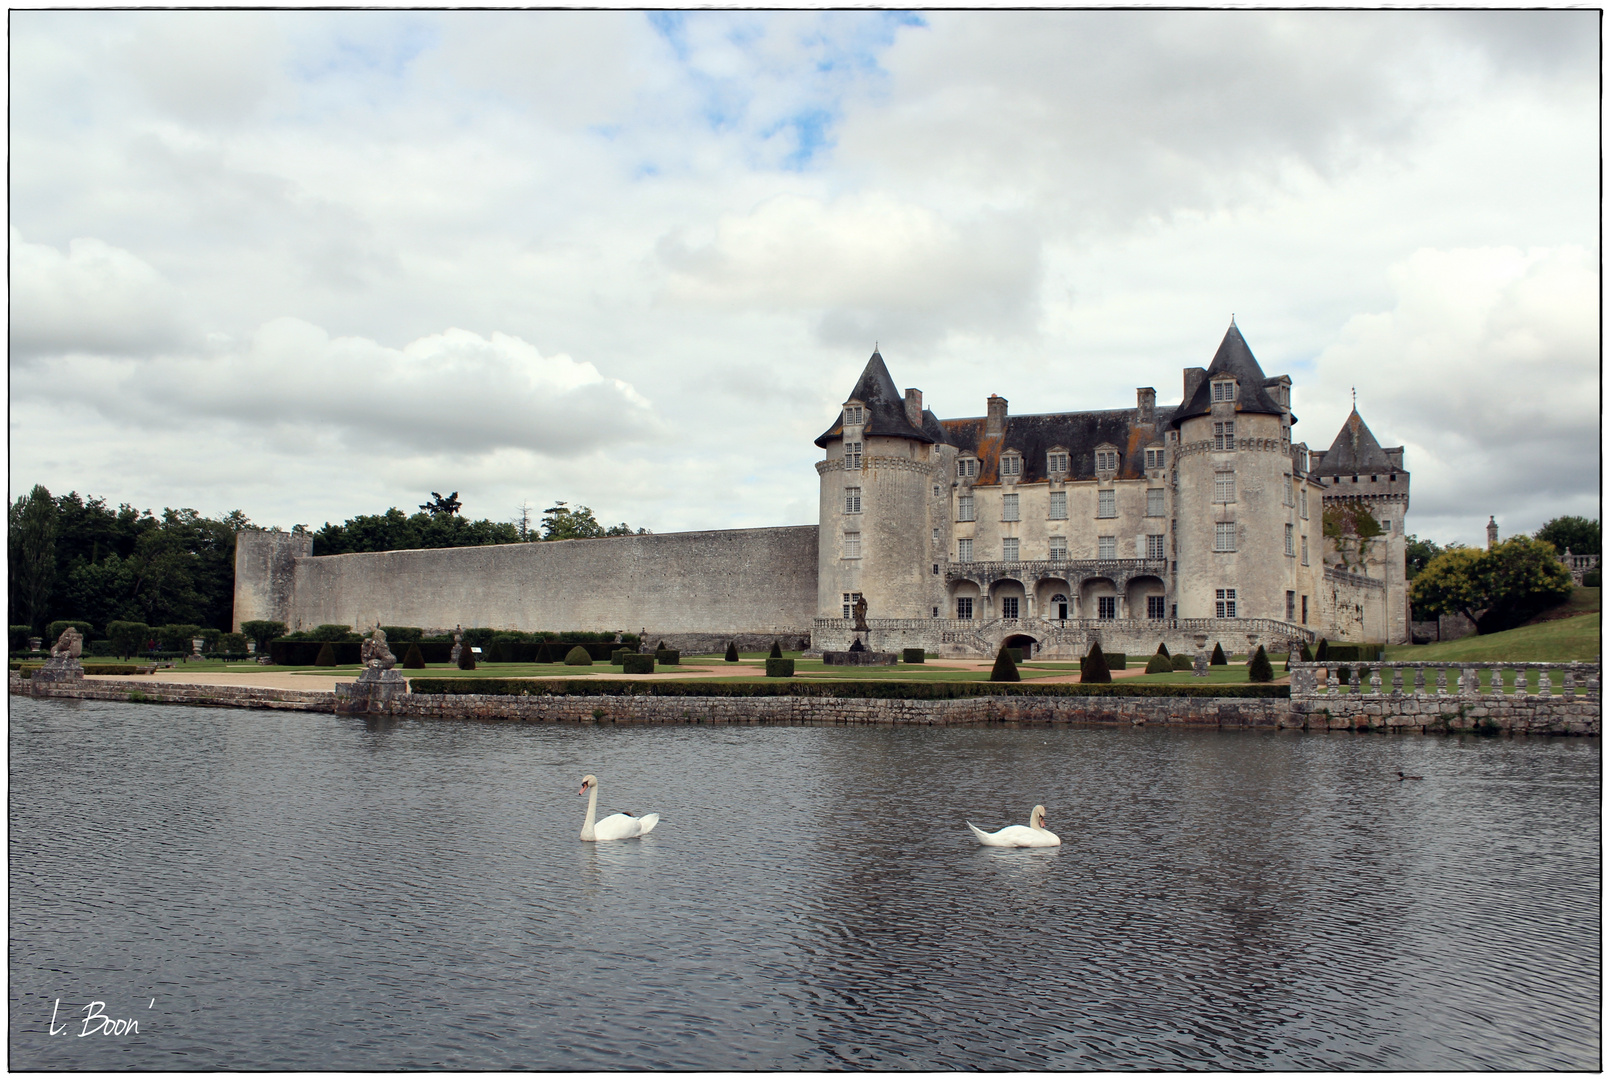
{"points": [[995, 420], [1492, 533], [914, 407], [1146, 403], [1193, 379]]}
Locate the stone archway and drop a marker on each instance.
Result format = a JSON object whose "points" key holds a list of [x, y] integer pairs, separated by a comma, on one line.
{"points": [[1053, 599], [1021, 641], [967, 591], [1098, 599], [1008, 599], [1142, 588]]}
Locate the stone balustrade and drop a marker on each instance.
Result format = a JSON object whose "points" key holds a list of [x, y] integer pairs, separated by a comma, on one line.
{"points": [[1457, 678]]}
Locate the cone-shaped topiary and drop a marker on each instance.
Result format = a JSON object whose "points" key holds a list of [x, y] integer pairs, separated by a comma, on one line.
{"points": [[1094, 667], [1218, 655], [1183, 662], [466, 659], [326, 657], [414, 660], [1159, 663], [1162, 649], [1306, 656], [732, 652], [578, 657], [1004, 670], [1321, 652], [776, 650], [661, 646], [1259, 668]]}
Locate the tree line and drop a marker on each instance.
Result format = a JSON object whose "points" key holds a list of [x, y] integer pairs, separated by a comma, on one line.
{"points": [[1502, 587]]}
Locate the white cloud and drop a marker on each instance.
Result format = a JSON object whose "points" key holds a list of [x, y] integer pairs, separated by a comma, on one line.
{"points": [[92, 298]]}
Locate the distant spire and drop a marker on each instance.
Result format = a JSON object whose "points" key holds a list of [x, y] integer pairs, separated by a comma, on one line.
{"points": [[1355, 399], [1232, 318]]}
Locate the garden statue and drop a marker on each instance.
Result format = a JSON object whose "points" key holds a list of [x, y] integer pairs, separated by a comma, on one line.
{"points": [[69, 646], [63, 664], [376, 653], [860, 613], [458, 643]]}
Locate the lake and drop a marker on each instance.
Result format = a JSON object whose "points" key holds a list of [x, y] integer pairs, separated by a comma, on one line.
{"points": [[294, 891]]}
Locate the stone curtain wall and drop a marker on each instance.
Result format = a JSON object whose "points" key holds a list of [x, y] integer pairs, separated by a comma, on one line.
{"points": [[265, 573], [757, 581]]}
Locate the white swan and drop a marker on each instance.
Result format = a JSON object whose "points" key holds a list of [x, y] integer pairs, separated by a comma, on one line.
{"points": [[1034, 834], [615, 826]]}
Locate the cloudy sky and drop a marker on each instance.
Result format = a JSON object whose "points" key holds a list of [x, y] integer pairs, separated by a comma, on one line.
{"points": [[317, 264]]}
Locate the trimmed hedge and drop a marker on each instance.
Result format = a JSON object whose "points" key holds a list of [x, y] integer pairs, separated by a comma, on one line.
{"points": [[1116, 661], [1258, 668], [578, 657], [912, 656], [1005, 669], [415, 658], [778, 667], [1184, 663], [1093, 668], [1218, 655], [55, 630], [616, 656], [830, 688], [1338, 652], [1016, 654], [326, 657], [1159, 663], [668, 656], [637, 663], [732, 652], [27, 668], [776, 650]]}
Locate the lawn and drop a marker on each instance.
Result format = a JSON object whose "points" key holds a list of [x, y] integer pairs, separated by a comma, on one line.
{"points": [[1559, 640]]}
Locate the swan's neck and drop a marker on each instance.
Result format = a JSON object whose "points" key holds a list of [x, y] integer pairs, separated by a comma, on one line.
{"points": [[592, 812]]}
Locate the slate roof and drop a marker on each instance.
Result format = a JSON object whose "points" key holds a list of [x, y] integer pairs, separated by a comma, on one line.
{"points": [[885, 408], [1354, 451], [1233, 358], [1079, 433]]}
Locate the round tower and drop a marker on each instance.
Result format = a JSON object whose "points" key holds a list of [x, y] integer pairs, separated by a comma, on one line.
{"points": [[876, 474]]}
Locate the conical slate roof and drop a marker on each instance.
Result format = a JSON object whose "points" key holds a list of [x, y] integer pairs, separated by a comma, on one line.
{"points": [[1354, 451], [885, 407], [1233, 358]]}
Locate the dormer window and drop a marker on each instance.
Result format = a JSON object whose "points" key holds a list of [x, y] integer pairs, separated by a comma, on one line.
{"points": [[1106, 461], [967, 467], [1056, 463], [1224, 390], [1154, 457], [1011, 465], [854, 416]]}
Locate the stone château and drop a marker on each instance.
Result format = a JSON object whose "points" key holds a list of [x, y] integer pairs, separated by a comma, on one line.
{"points": [[1184, 524]]}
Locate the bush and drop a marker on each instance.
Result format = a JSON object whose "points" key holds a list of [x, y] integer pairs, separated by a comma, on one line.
{"points": [[732, 652], [1184, 663], [776, 650], [401, 634], [864, 689], [1258, 668], [19, 638], [668, 656], [128, 638], [1349, 653], [1218, 655], [544, 655], [57, 628], [326, 657], [637, 663], [576, 657], [466, 658], [1322, 651], [778, 667], [1116, 661], [261, 631], [912, 656], [1016, 655], [1159, 663], [1093, 668], [331, 632], [1590, 580], [617, 656], [1005, 669], [232, 643], [1162, 647], [414, 660]]}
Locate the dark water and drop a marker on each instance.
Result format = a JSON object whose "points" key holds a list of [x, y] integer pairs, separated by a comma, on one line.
{"points": [[302, 892]]}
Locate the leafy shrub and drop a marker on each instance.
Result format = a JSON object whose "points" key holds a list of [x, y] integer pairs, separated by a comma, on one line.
{"points": [[1162, 649], [400, 634], [1218, 655], [616, 655], [637, 664], [57, 628], [1258, 668], [1093, 668], [778, 667], [776, 650], [1116, 661], [1016, 654], [331, 632], [1351, 653], [1590, 580], [232, 643], [1322, 651], [326, 657], [261, 631], [1005, 669], [912, 656], [466, 659], [891, 689], [19, 638], [177, 637], [668, 656], [579, 657], [128, 638], [1184, 663], [414, 660], [732, 652], [1159, 663]]}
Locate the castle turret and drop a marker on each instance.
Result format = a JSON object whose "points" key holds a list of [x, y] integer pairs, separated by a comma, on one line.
{"points": [[876, 478], [1366, 494]]}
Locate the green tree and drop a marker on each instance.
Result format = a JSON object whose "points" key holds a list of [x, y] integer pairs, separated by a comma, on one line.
{"points": [[1450, 584], [559, 522], [438, 506], [262, 631], [1578, 535], [1418, 554], [1093, 668], [1520, 578], [1258, 668], [32, 553]]}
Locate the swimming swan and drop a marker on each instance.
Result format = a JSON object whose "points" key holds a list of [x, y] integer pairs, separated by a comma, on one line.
{"points": [[615, 826], [1034, 834]]}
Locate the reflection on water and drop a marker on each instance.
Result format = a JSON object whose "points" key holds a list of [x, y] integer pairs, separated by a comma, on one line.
{"points": [[301, 892]]}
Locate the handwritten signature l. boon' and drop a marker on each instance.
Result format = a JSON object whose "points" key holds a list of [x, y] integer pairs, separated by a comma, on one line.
{"points": [[96, 1022]]}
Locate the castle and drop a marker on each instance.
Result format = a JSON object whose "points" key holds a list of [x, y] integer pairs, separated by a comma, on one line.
{"points": [[1189, 524]]}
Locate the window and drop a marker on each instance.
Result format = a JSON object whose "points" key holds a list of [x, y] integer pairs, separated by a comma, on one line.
{"points": [[1305, 551], [1302, 461], [852, 414], [936, 538], [1106, 547], [1154, 546], [1154, 502], [852, 455], [1224, 390], [1011, 465], [1107, 503], [1059, 549], [1302, 503], [852, 545], [1386, 526], [1154, 457], [1224, 603], [1224, 486], [1008, 607], [1305, 611], [1285, 437], [1009, 508], [964, 508], [1224, 536], [1291, 606], [1059, 505], [967, 467], [849, 603], [1106, 607], [1106, 460], [1009, 549], [1154, 607], [1057, 464], [964, 550], [937, 491], [1290, 542], [964, 607], [1289, 501], [1224, 436], [852, 500]]}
